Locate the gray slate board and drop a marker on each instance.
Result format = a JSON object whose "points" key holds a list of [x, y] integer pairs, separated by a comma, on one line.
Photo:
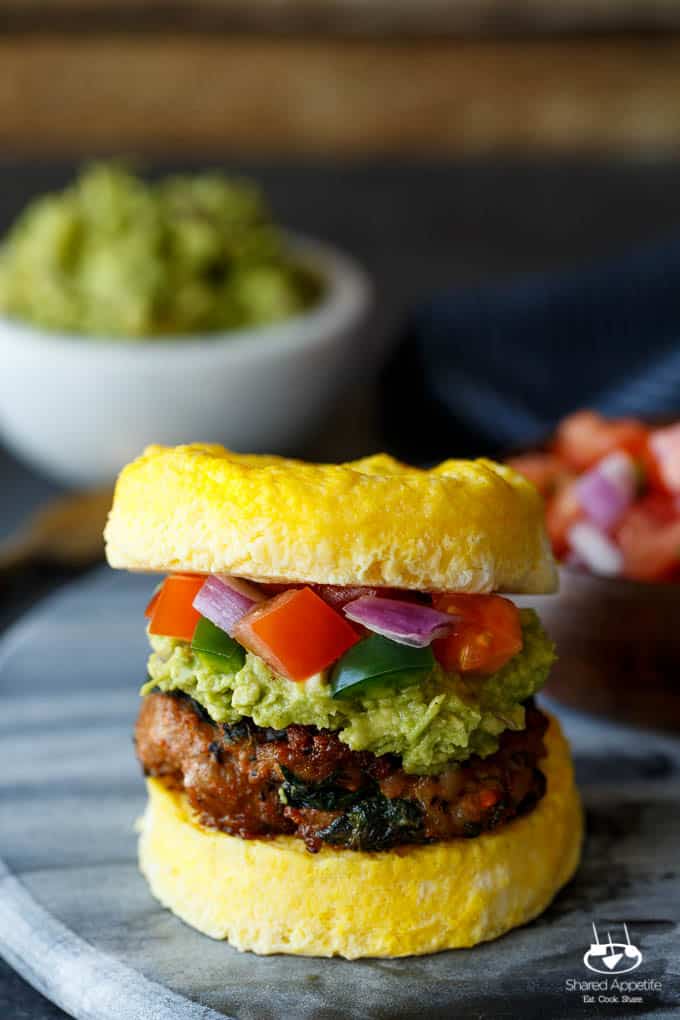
{"points": [[77, 921]]}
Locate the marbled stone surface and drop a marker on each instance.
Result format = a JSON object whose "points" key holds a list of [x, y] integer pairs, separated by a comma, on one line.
{"points": [[77, 920]]}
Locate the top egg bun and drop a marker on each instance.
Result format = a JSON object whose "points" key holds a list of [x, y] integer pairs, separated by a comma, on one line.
{"points": [[465, 526]]}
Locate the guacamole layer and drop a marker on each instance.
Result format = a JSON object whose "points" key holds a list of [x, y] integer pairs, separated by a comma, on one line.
{"points": [[430, 722], [113, 255]]}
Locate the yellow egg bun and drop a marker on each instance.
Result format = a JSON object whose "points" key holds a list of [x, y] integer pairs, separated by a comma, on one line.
{"points": [[469, 526], [273, 896]]}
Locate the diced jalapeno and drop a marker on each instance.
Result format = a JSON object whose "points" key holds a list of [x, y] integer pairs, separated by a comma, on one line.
{"points": [[217, 650], [376, 663]]}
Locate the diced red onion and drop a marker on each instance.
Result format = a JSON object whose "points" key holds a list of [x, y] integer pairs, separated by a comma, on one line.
{"points": [[224, 600], [405, 622], [665, 445], [607, 490], [595, 549], [338, 596]]}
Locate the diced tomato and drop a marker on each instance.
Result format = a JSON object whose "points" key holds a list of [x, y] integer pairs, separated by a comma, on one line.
{"points": [[544, 470], [486, 635], [662, 507], [649, 537], [172, 612], [148, 612], [585, 437], [488, 797], [296, 633], [563, 510], [663, 460], [651, 477]]}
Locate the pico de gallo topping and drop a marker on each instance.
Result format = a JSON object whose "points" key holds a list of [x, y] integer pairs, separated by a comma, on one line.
{"points": [[612, 495], [367, 637]]}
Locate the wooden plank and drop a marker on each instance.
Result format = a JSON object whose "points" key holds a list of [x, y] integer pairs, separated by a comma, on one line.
{"points": [[151, 93], [354, 17]]}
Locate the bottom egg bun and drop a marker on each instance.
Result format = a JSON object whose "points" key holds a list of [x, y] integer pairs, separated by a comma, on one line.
{"points": [[274, 896]]}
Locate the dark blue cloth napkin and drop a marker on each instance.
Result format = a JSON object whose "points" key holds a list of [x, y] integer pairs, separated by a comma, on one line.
{"points": [[492, 368]]}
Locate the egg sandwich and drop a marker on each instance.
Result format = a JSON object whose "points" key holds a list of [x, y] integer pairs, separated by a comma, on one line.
{"points": [[338, 729]]}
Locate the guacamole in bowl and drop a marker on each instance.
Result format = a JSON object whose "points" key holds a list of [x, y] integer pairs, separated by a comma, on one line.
{"points": [[135, 313], [116, 257]]}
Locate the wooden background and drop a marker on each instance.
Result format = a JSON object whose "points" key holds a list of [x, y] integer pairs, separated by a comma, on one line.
{"points": [[355, 17], [421, 77]]}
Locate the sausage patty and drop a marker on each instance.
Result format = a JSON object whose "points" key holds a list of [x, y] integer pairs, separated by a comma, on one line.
{"points": [[252, 781]]}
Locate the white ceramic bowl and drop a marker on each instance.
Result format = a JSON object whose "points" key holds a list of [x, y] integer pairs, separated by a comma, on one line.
{"points": [[80, 408]]}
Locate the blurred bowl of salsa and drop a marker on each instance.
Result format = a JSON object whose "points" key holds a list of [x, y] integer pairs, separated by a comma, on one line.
{"points": [[612, 495], [135, 312]]}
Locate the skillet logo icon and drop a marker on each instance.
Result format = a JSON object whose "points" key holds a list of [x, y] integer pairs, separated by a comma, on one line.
{"points": [[612, 957]]}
